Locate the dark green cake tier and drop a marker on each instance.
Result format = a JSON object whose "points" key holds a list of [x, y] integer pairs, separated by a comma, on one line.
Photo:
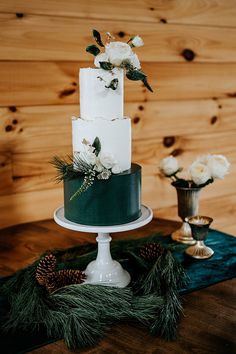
{"points": [[107, 202]]}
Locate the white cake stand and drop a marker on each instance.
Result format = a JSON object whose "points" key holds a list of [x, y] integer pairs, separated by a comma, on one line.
{"points": [[104, 270]]}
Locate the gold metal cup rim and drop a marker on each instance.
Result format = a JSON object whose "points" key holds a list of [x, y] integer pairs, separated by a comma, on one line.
{"points": [[194, 220]]}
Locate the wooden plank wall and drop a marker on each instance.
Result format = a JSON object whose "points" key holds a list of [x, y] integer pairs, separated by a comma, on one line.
{"points": [[190, 58]]}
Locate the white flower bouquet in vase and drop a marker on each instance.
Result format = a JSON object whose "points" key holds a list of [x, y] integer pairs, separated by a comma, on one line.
{"points": [[203, 171]]}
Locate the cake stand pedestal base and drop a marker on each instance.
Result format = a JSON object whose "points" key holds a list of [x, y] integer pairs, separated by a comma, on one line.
{"points": [[104, 270]]}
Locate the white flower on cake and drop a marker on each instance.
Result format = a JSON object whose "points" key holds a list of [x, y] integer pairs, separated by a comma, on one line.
{"points": [[105, 174], [199, 173], [107, 160], [98, 166], [137, 41], [218, 165], [89, 157], [87, 146], [118, 55], [118, 52], [100, 57], [169, 166], [116, 169], [134, 60]]}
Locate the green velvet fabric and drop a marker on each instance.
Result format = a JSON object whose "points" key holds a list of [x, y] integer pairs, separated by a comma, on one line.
{"points": [[107, 202]]}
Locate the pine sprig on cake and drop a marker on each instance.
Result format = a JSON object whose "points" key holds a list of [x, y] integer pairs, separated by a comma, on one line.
{"points": [[91, 163], [118, 55]]}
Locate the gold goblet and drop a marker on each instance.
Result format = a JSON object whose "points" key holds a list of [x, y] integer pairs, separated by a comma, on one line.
{"points": [[199, 227]]}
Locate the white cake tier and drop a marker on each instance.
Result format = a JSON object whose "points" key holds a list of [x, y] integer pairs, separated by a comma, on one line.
{"points": [[115, 137], [97, 101]]}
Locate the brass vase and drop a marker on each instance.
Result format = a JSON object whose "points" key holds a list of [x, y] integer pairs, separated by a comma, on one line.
{"points": [[200, 227], [188, 202]]}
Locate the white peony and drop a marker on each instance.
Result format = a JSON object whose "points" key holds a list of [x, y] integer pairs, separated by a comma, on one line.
{"points": [[116, 169], [89, 157], [100, 57], [137, 41], [218, 165], [117, 52], [98, 166], [107, 160], [199, 172], [134, 60], [169, 165]]}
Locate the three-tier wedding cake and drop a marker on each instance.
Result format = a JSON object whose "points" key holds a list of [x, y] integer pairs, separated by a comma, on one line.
{"points": [[101, 185]]}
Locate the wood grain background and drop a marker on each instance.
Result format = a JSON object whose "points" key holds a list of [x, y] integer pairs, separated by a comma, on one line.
{"points": [[191, 112]]}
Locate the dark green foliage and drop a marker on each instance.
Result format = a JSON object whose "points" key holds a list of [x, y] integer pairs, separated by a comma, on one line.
{"points": [[70, 167], [81, 314], [97, 38], [93, 49], [135, 75], [146, 84], [113, 84], [106, 65], [73, 167], [97, 145], [182, 183], [64, 168]]}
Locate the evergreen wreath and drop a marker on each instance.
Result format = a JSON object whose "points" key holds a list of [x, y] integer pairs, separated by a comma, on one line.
{"points": [[81, 314]]}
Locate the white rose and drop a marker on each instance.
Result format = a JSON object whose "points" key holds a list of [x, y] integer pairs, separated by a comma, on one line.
{"points": [[134, 60], [169, 165], [137, 41], [116, 169], [107, 160], [199, 173], [98, 166], [117, 52], [100, 57], [88, 157], [203, 159], [218, 165]]}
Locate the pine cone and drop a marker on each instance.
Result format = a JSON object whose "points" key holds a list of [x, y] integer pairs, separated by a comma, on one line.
{"points": [[64, 277], [45, 267], [151, 251], [52, 280]]}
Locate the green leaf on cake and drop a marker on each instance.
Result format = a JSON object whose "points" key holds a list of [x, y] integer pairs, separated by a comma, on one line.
{"points": [[97, 38], [106, 65], [97, 145], [93, 49], [135, 75], [113, 84], [146, 84]]}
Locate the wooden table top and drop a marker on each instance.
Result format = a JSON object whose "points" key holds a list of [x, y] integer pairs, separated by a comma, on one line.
{"points": [[208, 322]]}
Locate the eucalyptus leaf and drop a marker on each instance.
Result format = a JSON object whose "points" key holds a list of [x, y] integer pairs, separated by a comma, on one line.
{"points": [[106, 65], [113, 84], [97, 38], [97, 145], [146, 84], [93, 49], [135, 75]]}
